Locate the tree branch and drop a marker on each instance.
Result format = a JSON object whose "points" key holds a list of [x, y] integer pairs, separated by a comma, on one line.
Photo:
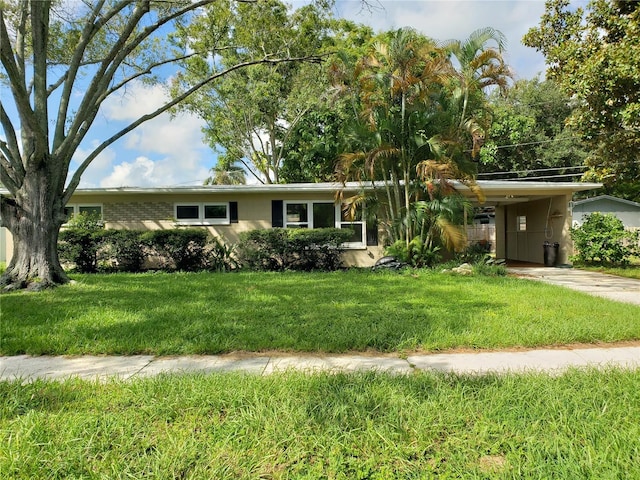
{"points": [[88, 33], [11, 149], [147, 71], [16, 79], [96, 93], [75, 180]]}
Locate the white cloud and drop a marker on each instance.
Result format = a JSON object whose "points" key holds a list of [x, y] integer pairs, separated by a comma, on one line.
{"points": [[134, 101], [456, 19], [145, 172], [141, 169], [163, 151]]}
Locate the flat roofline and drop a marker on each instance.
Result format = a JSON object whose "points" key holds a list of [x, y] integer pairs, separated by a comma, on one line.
{"points": [[488, 186]]}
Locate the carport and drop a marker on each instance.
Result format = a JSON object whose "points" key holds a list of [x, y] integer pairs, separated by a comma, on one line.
{"points": [[528, 214]]}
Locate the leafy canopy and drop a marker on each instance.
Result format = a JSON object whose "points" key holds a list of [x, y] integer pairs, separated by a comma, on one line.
{"points": [[594, 55]]}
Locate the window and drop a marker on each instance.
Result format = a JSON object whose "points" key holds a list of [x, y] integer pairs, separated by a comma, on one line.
{"points": [[202, 213], [521, 223], [354, 220], [73, 209], [309, 214]]}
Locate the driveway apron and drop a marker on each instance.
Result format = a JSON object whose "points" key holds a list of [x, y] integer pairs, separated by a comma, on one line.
{"points": [[600, 284]]}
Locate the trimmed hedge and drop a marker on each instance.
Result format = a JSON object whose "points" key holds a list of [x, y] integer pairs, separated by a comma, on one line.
{"points": [[89, 248], [183, 249], [292, 249]]}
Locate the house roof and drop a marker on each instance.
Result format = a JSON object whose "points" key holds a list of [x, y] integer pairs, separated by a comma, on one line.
{"points": [[497, 192], [606, 197]]}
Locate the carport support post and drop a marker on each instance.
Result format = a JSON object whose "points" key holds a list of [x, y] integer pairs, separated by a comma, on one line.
{"points": [[501, 232], [566, 244]]}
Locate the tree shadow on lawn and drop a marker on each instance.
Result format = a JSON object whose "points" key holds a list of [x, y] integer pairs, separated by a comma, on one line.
{"points": [[204, 313]]}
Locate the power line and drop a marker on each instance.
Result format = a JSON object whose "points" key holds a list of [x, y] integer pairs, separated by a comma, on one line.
{"points": [[534, 170], [542, 177]]}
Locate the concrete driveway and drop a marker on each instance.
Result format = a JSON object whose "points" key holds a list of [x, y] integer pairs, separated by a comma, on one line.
{"points": [[600, 284]]}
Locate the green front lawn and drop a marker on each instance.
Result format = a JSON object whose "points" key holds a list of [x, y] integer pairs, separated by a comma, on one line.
{"points": [[205, 313], [579, 425]]}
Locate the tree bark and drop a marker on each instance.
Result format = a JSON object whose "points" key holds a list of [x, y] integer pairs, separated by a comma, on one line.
{"points": [[34, 218]]}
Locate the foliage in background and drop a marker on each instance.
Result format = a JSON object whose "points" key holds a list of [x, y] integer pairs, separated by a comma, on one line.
{"points": [[251, 112], [593, 53], [282, 249], [528, 132], [602, 239]]}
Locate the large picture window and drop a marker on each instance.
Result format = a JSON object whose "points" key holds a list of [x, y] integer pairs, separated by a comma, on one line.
{"points": [[310, 214], [89, 209], [202, 213]]}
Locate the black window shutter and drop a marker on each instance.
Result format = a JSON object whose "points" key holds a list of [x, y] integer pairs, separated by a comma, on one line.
{"points": [[233, 212], [277, 220], [372, 233]]}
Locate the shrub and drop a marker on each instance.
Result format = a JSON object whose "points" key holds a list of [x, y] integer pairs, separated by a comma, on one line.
{"points": [[417, 254], [123, 250], [219, 257], [318, 248], [292, 249], [79, 242], [264, 250], [184, 249], [602, 239]]}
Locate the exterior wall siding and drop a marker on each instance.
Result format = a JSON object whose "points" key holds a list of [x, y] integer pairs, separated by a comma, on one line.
{"points": [[137, 211], [154, 212]]}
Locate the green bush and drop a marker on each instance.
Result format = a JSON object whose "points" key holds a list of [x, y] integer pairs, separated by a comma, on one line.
{"points": [[318, 248], [79, 242], [123, 250], [417, 254], [183, 249], [219, 257], [292, 249], [602, 239], [264, 250]]}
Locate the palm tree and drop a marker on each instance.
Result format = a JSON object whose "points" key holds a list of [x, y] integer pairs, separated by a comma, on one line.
{"points": [[226, 173], [396, 86], [480, 67]]}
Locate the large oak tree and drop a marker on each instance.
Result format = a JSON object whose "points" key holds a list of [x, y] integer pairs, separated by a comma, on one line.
{"points": [[53, 53]]}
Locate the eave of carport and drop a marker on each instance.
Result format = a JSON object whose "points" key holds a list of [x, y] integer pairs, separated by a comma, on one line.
{"points": [[503, 192]]}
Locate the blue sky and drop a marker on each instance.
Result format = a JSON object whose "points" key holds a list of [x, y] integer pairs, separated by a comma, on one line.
{"points": [[170, 152]]}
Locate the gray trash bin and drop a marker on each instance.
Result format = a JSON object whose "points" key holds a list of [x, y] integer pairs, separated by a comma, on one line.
{"points": [[550, 254]]}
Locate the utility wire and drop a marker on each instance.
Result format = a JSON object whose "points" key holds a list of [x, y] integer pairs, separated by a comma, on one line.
{"points": [[534, 170]]}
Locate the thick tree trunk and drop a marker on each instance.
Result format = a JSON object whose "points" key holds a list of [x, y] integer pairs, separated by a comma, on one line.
{"points": [[34, 218]]}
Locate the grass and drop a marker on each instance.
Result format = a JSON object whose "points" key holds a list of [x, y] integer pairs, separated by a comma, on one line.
{"points": [[582, 424], [205, 313]]}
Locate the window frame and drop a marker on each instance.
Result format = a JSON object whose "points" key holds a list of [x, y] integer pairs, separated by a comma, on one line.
{"points": [[77, 206], [201, 220], [338, 220], [521, 223]]}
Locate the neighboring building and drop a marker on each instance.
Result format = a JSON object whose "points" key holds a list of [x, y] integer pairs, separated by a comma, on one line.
{"points": [[526, 213], [625, 210]]}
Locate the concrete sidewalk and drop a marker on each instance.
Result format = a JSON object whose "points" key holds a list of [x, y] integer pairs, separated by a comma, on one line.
{"points": [[126, 367], [599, 284]]}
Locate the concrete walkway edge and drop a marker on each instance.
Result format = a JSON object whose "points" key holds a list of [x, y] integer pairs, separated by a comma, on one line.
{"points": [[27, 368]]}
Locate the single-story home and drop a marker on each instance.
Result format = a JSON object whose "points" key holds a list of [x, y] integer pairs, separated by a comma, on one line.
{"points": [[625, 210], [527, 214]]}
